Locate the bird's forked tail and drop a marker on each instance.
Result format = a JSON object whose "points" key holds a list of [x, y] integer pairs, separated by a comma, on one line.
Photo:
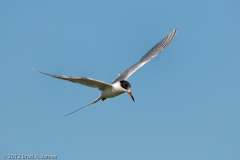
{"points": [[100, 97]]}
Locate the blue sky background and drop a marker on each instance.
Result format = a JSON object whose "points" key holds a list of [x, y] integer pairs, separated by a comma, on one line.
{"points": [[186, 99]]}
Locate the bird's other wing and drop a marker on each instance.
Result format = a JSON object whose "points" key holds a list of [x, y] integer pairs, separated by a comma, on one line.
{"points": [[96, 100], [82, 80], [158, 48]]}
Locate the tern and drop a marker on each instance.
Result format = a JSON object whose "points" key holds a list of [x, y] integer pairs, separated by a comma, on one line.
{"points": [[119, 85]]}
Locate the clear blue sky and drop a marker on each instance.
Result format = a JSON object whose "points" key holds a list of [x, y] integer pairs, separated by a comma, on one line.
{"points": [[186, 99]]}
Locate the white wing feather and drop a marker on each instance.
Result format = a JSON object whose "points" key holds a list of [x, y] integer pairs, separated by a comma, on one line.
{"points": [[81, 80], [158, 48]]}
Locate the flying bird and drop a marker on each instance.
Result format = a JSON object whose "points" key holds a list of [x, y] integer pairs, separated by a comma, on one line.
{"points": [[119, 85]]}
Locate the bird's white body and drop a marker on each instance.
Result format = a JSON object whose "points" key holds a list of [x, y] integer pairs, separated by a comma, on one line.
{"points": [[119, 85], [113, 91]]}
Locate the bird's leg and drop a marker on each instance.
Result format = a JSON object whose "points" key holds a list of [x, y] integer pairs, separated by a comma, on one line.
{"points": [[103, 99]]}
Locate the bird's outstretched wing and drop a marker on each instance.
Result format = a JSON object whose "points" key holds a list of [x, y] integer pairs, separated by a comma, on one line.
{"points": [[84, 106], [147, 57], [82, 80]]}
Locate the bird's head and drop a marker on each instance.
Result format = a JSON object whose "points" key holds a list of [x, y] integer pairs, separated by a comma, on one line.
{"points": [[127, 86]]}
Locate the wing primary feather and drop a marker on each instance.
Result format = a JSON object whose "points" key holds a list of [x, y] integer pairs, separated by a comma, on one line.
{"points": [[84, 106], [153, 52], [81, 80]]}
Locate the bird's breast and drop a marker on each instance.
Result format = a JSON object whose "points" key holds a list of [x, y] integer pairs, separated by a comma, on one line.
{"points": [[113, 91]]}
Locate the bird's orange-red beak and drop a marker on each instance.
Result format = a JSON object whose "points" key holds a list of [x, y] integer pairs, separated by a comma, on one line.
{"points": [[130, 94]]}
